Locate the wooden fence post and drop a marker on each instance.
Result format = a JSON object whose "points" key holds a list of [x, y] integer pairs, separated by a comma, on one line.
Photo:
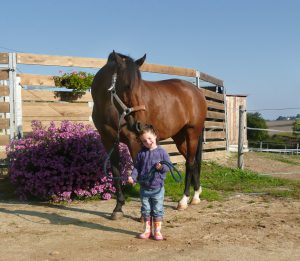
{"points": [[241, 137]]}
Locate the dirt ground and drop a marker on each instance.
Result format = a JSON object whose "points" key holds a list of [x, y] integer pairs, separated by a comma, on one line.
{"points": [[243, 227], [260, 163]]}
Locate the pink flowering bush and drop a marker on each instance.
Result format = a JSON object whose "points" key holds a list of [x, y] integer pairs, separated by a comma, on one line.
{"points": [[62, 163]]}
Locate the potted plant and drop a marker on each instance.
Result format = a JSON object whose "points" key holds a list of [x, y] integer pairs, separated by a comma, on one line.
{"points": [[78, 82]]}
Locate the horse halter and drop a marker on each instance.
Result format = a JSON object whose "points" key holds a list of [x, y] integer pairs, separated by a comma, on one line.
{"points": [[126, 110]]}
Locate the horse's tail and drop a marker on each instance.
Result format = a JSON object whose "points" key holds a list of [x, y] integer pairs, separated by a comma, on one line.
{"points": [[199, 151]]}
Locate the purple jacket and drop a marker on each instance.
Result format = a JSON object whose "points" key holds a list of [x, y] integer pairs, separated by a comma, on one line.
{"points": [[145, 160]]}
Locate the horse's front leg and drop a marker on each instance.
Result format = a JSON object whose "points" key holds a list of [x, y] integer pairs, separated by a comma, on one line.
{"points": [[115, 159]]}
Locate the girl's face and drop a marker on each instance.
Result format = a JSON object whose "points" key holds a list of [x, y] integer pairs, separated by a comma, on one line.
{"points": [[149, 140]]}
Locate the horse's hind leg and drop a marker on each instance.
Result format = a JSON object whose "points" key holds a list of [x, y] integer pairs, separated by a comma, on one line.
{"points": [[186, 142], [191, 167], [196, 174]]}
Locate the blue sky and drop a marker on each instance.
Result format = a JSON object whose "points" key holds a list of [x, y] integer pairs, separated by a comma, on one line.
{"points": [[253, 46]]}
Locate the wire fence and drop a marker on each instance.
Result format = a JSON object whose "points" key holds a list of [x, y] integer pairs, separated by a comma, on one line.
{"points": [[291, 147]]}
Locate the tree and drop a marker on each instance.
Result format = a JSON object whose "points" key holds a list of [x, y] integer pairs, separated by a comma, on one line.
{"points": [[281, 118], [255, 120]]}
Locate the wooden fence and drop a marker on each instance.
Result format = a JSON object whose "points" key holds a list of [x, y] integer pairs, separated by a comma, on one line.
{"points": [[20, 105]]}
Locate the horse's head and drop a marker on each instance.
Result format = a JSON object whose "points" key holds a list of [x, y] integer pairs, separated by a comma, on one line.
{"points": [[127, 70], [127, 86]]}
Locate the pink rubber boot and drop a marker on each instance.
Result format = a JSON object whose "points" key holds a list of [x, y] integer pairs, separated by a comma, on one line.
{"points": [[147, 233], [157, 228]]}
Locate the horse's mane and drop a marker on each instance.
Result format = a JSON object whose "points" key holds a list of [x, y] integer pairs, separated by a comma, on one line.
{"points": [[132, 72]]}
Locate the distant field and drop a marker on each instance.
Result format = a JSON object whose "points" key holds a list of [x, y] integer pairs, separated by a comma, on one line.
{"points": [[286, 125]]}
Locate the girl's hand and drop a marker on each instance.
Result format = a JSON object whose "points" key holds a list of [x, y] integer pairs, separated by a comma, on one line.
{"points": [[158, 166], [130, 180]]}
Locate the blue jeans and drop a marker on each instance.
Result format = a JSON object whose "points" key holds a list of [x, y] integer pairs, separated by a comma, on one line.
{"points": [[152, 203]]}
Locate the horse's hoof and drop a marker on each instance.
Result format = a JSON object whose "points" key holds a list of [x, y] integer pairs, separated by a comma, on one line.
{"points": [[195, 201], [182, 206], [117, 215]]}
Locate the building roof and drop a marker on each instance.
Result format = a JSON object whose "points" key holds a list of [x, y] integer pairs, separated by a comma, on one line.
{"points": [[237, 95]]}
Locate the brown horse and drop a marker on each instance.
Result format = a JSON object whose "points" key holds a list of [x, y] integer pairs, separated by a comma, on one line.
{"points": [[123, 103]]}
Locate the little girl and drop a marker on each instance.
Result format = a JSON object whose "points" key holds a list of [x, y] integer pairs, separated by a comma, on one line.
{"points": [[152, 186]]}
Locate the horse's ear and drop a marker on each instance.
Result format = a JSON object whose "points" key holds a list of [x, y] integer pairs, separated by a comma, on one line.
{"points": [[140, 61]]}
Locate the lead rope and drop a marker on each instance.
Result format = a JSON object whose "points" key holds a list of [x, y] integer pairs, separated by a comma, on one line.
{"points": [[150, 174], [112, 90], [116, 143]]}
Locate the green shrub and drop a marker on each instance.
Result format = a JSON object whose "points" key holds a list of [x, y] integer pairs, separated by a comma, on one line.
{"points": [[78, 82]]}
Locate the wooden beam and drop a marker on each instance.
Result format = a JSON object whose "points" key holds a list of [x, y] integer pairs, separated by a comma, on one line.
{"points": [[36, 79], [4, 58], [214, 125], [50, 96], [214, 145], [4, 123], [47, 80], [4, 140], [171, 148], [70, 61], [215, 135], [216, 105], [4, 90], [177, 159], [53, 60], [4, 107], [213, 95], [211, 79], [3, 74], [38, 110], [215, 115], [214, 155], [156, 68]]}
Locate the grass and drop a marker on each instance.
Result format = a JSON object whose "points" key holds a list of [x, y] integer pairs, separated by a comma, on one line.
{"points": [[219, 182], [227, 180]]}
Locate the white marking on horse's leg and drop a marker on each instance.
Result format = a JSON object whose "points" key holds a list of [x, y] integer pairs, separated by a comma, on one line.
{"points": [[183, 203], [196, 197]]}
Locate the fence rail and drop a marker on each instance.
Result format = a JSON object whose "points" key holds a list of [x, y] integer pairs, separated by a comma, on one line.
{"points": [[283, 151]]}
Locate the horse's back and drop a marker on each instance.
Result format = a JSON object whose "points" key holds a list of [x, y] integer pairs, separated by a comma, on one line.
{"points": [[185, 91], [176, 87], [174, 104]]}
